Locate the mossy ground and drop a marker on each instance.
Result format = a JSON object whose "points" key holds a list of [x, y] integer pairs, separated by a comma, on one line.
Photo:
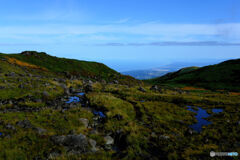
{"points": [[153, 125]]}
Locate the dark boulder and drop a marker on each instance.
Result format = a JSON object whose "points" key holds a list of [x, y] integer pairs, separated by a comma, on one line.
{"points": [[2, 87], [12, 74], [24, 124], [9, 126], [155, 88], [141, 89], [88, 88], [73, 143], [40, 131]]}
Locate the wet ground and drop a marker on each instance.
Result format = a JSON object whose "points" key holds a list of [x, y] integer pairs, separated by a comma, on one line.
{"points": [[201, 114]]}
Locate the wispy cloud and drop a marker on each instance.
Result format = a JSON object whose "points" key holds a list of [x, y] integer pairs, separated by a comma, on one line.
{"points": [[226, 34], [203, 43], [124, 20], [19, 44], [229, 29]]}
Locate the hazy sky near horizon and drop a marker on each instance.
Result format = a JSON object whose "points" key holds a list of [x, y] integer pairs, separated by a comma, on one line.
{"points": [[123, 31]]}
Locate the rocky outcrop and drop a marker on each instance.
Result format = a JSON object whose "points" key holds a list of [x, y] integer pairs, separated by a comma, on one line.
{"points": [[76, 144]]}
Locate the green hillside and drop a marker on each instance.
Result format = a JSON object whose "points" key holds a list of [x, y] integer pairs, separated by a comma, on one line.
{"points": [[55, 64], [225, 75], [69, 67]]}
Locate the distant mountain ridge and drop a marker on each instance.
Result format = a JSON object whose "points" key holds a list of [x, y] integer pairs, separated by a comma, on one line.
{"points": [[225, 75], [144, 74]]}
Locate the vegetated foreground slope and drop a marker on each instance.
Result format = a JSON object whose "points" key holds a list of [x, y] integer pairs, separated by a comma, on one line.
{"points": [[45, 114], [222, 76]]}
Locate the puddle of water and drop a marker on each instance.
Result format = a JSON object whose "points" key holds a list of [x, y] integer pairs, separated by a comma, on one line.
{"points": [[217, 110], [201, 114], [81, 94], [99, 113], [73, 99]]}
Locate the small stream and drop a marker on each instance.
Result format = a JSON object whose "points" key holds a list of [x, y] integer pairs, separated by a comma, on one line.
{"points": [[200, 116]]}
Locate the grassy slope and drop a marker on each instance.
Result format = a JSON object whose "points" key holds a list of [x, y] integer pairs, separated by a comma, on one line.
{"points": [[83, 69], [73, 66], [154, 125], [225, 75]]}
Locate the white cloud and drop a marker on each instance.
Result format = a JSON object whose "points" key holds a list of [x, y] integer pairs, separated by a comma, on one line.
{"points": [[229, 32]]}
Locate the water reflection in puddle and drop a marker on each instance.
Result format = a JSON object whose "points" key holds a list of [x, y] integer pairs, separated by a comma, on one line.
{"points": [[81, 94], [73, 99], [217, 110], [99, 113], [201, 114]]}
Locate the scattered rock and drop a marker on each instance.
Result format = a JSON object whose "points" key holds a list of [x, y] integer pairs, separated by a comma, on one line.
{"points": [[141, 89], [84, 121], [74, 143], [61, 80], [37, 100], [66, 90], [12, 74], [9, 126], [90, 82], [40, 131], [163, 137], [2, 87], [190, 131], [115, 82], [54, 155], [10, 102], [24, 124], [93, 144], [154, 88], [45, 95], [109, 140], [153, 134], [93, 131]]}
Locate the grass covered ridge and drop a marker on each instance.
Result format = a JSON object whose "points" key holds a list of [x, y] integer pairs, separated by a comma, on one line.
{"points": [[222, 76]]}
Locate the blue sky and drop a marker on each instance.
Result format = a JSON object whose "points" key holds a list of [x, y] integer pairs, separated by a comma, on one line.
{"points": [[124, 34]]}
